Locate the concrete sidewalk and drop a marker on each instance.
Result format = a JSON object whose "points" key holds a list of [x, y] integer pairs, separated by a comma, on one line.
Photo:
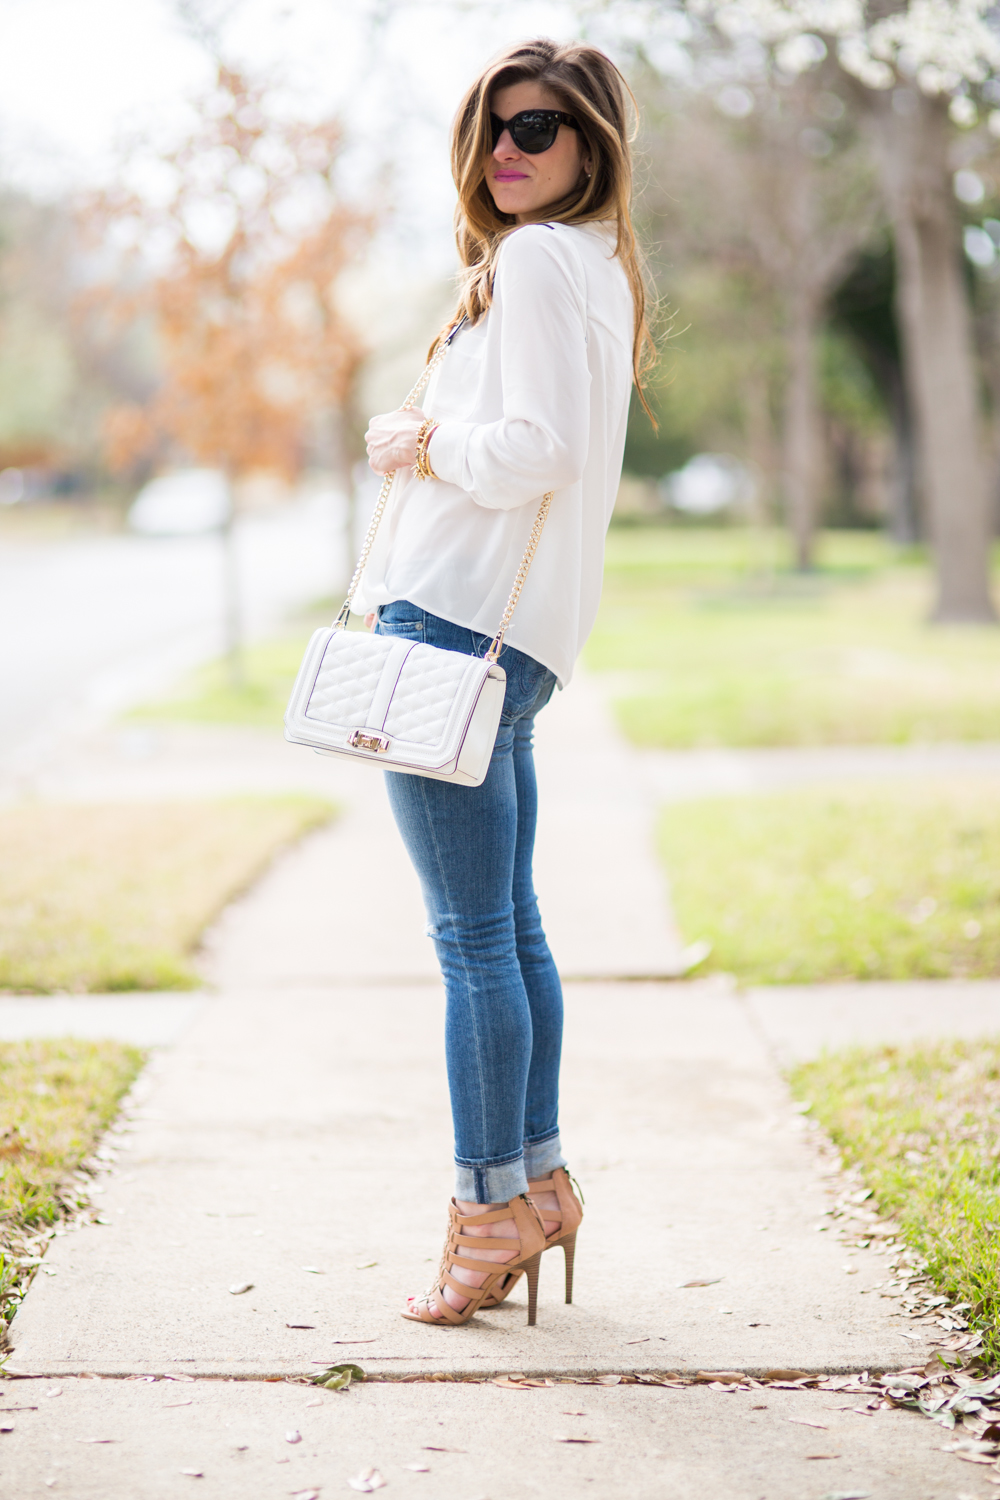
{"points": [[294, 1135]]}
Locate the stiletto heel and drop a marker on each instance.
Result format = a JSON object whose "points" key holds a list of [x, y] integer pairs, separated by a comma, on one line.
{"points": [[531, 1270], [568, 1216], [569, 1250], [465, 1249]]}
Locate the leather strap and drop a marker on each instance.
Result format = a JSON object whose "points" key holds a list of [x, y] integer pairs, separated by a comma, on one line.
{"points": [[382, 698]]}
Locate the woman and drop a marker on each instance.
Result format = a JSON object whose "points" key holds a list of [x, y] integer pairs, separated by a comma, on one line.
{"points": [[532, 396]]}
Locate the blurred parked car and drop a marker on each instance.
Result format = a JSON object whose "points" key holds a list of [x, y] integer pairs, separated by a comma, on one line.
{"points": [[186, 503], [709, 483]]}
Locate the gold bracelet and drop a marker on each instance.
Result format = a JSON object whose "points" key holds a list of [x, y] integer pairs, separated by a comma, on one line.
{"points": [[422, 464]]}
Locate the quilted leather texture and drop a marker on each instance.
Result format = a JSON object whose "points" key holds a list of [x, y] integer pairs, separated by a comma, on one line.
{"points": [[424, 695], [348, 677]]}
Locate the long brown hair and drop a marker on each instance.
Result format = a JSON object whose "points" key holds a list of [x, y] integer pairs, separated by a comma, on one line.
{"points": [[590, 87]]}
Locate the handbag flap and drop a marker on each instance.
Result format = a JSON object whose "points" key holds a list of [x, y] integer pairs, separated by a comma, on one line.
{"points": [[414, 698], [424, 694]]}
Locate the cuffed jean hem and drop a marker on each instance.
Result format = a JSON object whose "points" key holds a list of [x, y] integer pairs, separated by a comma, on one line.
{"points": [[542, 1157], [490, 1184]]}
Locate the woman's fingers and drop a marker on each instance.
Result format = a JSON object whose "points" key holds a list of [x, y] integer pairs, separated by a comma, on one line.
{"points": [[391, 439]]}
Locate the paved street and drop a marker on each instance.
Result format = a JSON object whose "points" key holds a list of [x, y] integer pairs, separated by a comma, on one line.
{"points": [[95, 623]]}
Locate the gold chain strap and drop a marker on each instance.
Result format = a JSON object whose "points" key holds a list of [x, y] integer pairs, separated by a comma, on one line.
{"points": [[522, 573], [383, 495], [529, 552]]}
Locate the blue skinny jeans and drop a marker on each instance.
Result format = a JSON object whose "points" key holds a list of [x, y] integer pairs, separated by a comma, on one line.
{"points": [[472, 849]]}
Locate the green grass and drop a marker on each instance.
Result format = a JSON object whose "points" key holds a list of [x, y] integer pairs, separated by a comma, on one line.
{"points": [[714, 641], [923, 1124], [115, 897], [893, 881], [208, 696], [56, 1098]]}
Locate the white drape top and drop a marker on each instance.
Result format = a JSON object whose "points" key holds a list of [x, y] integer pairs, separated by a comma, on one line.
{"points": [[534, 397]]}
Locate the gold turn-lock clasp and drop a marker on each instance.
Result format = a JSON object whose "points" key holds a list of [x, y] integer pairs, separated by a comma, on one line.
{"points": [[358, 740]]}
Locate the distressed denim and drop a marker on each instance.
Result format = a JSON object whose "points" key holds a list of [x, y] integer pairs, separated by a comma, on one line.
{"points": [[472, 848]]}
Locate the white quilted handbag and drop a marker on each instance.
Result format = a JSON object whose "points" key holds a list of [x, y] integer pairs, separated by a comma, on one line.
{"points": [[401, 704]]}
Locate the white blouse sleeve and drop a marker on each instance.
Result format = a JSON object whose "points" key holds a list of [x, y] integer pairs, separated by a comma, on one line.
{"points": [[541, 441]]}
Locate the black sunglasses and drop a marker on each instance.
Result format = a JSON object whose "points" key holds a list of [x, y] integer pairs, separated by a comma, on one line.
{"points": [[532, 130]]}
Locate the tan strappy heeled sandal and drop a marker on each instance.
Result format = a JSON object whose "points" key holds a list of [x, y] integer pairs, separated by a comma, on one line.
{"points": [[462, 1249], [569, 1215]]}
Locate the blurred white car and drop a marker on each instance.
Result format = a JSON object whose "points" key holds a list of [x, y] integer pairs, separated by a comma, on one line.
{"points": [[186, 503], [708, 483]]}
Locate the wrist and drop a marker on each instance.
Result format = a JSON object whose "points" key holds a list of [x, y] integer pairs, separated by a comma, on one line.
{"points": [[421, 464]]}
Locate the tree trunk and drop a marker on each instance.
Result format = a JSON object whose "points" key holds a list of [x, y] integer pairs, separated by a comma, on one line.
{"points": [[911, 133], [904, 514], [801, 428], [232, 599]]}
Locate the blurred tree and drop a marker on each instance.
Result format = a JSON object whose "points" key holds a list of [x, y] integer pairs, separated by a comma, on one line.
{"points": [[235, 255], [916, 68], [57, 373], [775, 181], [864, 308]]}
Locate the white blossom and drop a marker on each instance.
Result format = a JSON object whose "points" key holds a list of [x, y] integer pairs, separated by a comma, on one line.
{"points": [[943, 45]]}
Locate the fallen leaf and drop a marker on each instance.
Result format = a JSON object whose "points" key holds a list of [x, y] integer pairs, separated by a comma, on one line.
{"points": [[556, 1439], [366, 1265], [822, 1455], [436, 1448], [784, 1375], [194, 1473], [506, 1384], [305, 1495], [300, 1325], [98, 1440], [702, 1281], [417, 1468], [293, 1436], [314, 1270], [338, 1377], [9, 1427], [367, 1481], [56, 1391], [847, 1495], [726, 1377], [608, 1379], [176, 1403], [238, 1288], [574, 1414], [318, 1402], [807, 1422], [644, 1340]]}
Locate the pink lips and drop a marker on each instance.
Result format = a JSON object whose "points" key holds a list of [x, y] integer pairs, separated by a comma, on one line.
{"points": [[509, 176]]}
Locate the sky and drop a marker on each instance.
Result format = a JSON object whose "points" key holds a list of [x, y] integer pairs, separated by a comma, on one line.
{"points": [[79, 78]]}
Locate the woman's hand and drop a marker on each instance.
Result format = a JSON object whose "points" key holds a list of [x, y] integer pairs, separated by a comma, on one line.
{"points": [[392, 439]]}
